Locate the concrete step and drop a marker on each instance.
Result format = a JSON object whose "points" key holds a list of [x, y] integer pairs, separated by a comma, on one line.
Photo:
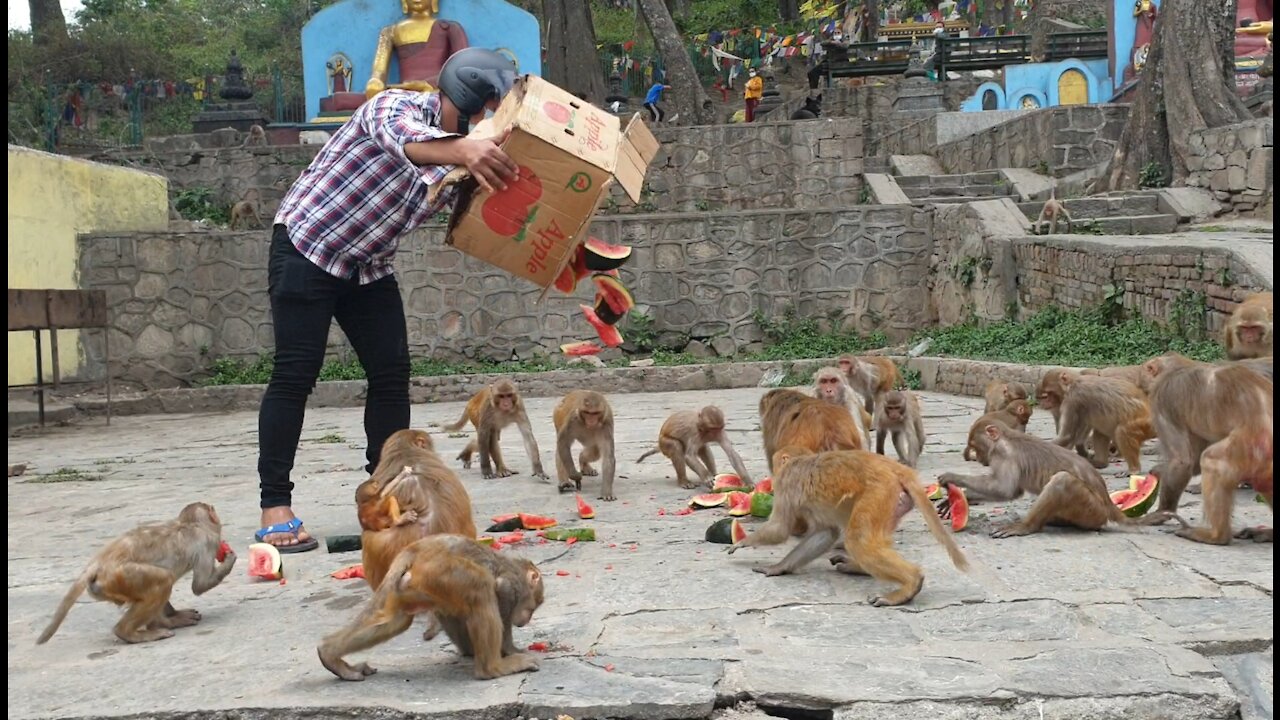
{"points": [[1156, 224], [1099, 207], [984, 177], [969, 191], [940, 199]]}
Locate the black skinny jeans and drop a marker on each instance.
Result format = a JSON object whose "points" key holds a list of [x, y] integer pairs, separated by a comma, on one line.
{"points": [[304, 301]]}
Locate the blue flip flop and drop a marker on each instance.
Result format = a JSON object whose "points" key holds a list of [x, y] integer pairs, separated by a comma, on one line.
{"points": [[290, 527]]}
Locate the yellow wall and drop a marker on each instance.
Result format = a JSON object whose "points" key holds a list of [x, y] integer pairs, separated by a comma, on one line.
{"points": [[51, 199]]}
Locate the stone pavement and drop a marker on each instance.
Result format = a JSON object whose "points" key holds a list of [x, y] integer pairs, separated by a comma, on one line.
{"points": [[650, 621]]}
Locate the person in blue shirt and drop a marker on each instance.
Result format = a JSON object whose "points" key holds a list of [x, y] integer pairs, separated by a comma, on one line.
{"points": [[651, 100]]}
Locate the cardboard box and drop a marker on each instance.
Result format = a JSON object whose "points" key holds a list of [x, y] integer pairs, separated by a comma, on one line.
{"points": [[569, 152]]}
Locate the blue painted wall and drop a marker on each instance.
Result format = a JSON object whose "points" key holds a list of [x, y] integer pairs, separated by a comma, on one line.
{"points": [[352, 27], [1041, 80], [1122, 30]]}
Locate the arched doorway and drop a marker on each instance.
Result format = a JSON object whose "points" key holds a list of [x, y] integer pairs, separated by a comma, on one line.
{"points": [[1073, 88]]}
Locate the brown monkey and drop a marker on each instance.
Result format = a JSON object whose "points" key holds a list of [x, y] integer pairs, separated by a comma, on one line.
{"points": [[1215, 421], [584, 416], [477, 594], [859, 494], [830, 385], [871, 376], [256, 136], [379, 508], [1049, 394], [430, 489], [1128, 373], [1049, 214], [1016, 415], [899, 415], [1071, 492], [1248, 332], [789, 417], [999, 394], [684, 440], [140, 568], [1262, 366], [244, 211], [1106, 409], [491, 410]]}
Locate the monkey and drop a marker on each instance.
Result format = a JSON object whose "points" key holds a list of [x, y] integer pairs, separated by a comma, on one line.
{"points": [[1053, 210], [684, 440], [789, 417], [1262, 366], [858, 494], [140, 568], [899, 415], [1070, 490], [379, 508], [491, 410], [1247, 333], [256, 136], [1105, 409], [999, 395], [584, 416], [830, 385], [1049, 394], [1016, 415], [1213, 420], [477, 594], [429, 489], [871, 376], [244, 211], [1128, 373]]}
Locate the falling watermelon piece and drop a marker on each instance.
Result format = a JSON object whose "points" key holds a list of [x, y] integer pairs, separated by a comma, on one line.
{"points": [[223, 550], [585, 511], [580, 349], [726, 531], [708, 500], [600, 255], [1138, 499], [739, 503], [728, 482], [765, 486], [536, 522], [609, 334], [613, 300], [761, 504], [264, 562], [957, 507]]}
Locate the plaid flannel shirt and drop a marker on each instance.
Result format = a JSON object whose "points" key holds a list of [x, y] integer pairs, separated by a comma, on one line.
{"points": [[349, 208]]}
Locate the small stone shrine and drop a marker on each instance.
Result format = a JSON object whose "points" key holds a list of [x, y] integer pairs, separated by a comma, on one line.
{"points": [[237, 110]]}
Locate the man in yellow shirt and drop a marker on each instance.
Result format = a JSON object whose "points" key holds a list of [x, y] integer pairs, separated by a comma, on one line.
{"points": [[755, 91]]}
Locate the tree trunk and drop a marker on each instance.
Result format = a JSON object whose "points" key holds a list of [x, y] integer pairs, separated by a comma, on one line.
{"points": [[789, 10], [688, 98], [48, 25], [1189, 88], [572, 62], [872, 20]]}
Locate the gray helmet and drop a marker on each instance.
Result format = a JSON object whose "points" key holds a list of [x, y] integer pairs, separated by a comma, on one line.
{"points": [[472, 77]]}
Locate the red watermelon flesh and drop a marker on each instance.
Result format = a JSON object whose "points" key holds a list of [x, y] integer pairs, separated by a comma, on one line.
{"points": [[728, 482], [579, 349], [765, 486], [223, 549], [708, 500], [739, 503], [609, 334], [264, 562], [585, 511], [536, 522], [958, 507]]}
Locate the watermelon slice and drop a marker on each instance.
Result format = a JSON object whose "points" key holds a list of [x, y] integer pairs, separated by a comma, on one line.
{"points": [[761, 504], [728, 482], [503, 518], [709, 500], [934, 492], [600, 255], [613, 300], [739, 503], [585, 511], [575, 534], [609, 334], [264, 562], [507, 524], [726, 531], [485, 540], [536, 522], [349, 572], [765, 486], [955, 508], [223, 549], [579, 349], [1138, 499]]}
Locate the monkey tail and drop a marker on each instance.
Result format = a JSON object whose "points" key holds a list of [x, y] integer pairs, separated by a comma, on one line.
{"points": [[912, 487], [462, 421], [654, 451], [77, 589]]}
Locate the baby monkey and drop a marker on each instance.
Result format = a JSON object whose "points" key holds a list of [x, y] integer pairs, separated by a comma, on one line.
{"points": [[685, 438]]}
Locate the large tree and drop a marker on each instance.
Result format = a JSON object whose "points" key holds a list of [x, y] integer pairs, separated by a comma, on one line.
{"points": [[1190, 87], [572, 61], [688, 97], [48, 24]]}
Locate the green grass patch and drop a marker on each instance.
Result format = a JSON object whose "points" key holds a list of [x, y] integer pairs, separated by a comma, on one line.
{"points": [[61, 475]]}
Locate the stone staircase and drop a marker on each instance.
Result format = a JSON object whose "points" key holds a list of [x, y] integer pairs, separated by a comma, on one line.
{"points": [[1111, 214], [935, 189]]}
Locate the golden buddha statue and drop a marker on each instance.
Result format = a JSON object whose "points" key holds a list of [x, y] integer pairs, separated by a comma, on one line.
{"points": [[420, 43]]}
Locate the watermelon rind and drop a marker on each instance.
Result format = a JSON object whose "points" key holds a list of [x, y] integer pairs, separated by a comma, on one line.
{"points": [[761, 504], [728, 482], [739, 503], [708, 500], [583, 534], [265, 562], [1138, 499], [959, 508], [726, 531]]}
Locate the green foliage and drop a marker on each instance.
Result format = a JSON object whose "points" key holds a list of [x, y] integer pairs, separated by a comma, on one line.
{"points": [[61, 475], [910, 377], [793, 337], [197, 203], [1084, 338], [1153, 175], [639, 331], [966, 271]]}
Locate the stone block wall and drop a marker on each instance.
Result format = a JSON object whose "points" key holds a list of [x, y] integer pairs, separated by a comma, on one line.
{"points": [[1157, 282], [179, 299], [872, 102], [1235, 163]]}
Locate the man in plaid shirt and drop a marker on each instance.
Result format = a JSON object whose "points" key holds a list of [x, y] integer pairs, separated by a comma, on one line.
{"points": [[332, 244]]}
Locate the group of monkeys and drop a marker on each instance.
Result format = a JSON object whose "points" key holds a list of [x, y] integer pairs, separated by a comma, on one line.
{"points": [[420, 556]]}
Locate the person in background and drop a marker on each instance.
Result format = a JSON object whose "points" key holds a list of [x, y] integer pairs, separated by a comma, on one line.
{"points": [[651, 100], [755, 91]]}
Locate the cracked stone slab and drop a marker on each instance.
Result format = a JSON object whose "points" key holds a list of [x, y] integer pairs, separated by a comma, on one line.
{"points": [[607, 686], [1253, 678], [1222, 621]]}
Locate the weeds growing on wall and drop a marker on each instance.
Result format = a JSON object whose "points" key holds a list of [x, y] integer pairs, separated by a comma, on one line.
{"points": [[199, 203], [1083, 338]]}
